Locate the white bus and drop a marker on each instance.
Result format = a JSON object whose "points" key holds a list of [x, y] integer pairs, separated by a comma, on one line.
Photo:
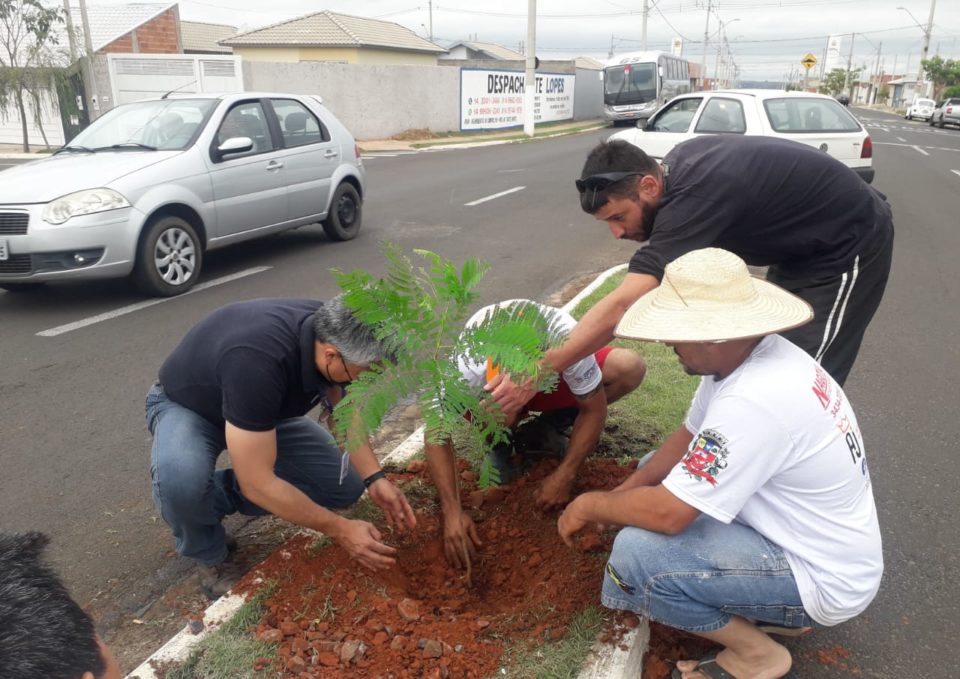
{"points": [[638, 83]]}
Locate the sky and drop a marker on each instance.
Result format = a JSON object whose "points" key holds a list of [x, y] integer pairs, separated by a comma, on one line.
{"points": [[767, 38]]}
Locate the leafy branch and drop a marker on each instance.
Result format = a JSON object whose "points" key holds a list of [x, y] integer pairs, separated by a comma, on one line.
{"points": [[418, 312]]}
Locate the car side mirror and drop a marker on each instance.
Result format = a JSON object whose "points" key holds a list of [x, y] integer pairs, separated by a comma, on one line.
{"points": [[235, 145]]}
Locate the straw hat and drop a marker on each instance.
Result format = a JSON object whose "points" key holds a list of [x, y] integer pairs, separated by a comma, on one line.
{"points": [[709, 296]]}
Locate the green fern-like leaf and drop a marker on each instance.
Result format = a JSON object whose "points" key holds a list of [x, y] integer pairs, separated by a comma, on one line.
{"points": [[489, 474], [419, 312]]}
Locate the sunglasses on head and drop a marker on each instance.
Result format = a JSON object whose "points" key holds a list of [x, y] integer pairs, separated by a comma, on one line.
{"points": [[599, 182]]}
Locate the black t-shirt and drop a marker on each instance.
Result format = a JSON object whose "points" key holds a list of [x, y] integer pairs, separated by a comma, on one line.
{"points": [[773, 202], [249, 363]]}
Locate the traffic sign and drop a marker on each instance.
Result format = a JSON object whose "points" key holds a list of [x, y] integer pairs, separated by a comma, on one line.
{"points": [[808, 61]]}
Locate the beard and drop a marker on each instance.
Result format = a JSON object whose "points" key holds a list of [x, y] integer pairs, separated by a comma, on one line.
{"points": [[645, 227]]}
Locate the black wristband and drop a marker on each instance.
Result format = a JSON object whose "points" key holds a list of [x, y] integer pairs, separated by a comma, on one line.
{"points": [[375, 476]]}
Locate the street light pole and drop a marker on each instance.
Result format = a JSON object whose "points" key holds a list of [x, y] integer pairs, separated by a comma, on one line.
{"points": [[706, 41], [643, 29], [926, 43]]}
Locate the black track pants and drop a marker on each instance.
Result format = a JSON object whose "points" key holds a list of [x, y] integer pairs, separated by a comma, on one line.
{"points": [[843, 306]]}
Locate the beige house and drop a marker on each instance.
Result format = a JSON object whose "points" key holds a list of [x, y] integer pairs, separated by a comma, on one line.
{"points": [[328, 36]]}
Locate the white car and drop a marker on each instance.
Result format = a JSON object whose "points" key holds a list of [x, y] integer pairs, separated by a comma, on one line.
{"points": [[812, 119], [921, 108]]}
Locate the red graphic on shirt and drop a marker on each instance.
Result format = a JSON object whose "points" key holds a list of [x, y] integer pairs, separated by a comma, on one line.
{"points": [[707, 457], [821, 387]]}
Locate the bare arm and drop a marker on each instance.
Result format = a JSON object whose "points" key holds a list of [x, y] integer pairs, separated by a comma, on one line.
{"points": [[556, 489], [664, 459], [254, 454], [592, 332], [459, 532], [595, 329], [650, 507]]}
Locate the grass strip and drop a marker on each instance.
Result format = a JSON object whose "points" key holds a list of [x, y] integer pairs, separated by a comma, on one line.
{"points": [[542, 131], [230, 651], [560, 659]]}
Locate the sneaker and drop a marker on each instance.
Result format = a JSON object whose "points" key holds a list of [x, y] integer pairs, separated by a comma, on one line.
{"points": [[217, 579]]}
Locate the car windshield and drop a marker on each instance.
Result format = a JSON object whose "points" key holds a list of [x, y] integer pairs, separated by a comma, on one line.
{"points": [[926, 102], [797, 114], [165, 125], [630, 84]]}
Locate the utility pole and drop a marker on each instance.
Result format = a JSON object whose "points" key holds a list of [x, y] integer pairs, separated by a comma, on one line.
{"points": [[643, 29], [846, 76], [926, 44], [877, 75], [706, 39], [610, 56], [71, 34], [90, 74], [430, 15], [530, 81]]}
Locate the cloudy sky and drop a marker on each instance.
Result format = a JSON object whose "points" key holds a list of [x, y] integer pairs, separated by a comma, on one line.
{"points": [[767, 37]]}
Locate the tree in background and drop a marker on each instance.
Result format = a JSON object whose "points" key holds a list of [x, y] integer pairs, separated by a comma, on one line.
{"points": [[943, 73], [29, 60], [834, 81], [953, 91]]}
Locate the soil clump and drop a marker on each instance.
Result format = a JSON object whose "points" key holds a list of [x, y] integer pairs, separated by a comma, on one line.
{"points": [[332, 618]]}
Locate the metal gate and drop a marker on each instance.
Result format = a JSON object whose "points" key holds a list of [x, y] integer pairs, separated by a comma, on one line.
{"points": [[145, 76]]}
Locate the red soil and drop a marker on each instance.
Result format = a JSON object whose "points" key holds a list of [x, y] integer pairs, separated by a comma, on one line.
{"points": [[421, 619]]}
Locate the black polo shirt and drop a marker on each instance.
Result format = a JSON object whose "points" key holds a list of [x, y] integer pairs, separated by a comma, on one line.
{"points": [[249, 363], [773, 202]]}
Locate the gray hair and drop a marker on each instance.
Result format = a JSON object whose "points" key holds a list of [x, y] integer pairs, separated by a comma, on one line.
{"points": [[334, 323]]}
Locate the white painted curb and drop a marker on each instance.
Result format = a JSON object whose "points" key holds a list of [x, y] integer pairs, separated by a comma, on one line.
{"points": [[606, 661]]}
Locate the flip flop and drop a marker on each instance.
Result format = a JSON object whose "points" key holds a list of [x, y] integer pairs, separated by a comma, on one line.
{"points": [[708, 667]]}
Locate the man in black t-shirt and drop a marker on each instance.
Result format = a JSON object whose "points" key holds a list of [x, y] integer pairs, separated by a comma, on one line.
{"points": [[242, 380], [826, 235]]}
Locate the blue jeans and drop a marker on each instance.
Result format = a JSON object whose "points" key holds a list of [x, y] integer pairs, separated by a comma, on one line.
{"points": [[697, 580], [193, 497]]}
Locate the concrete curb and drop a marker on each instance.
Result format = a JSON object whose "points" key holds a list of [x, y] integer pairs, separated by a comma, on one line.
{"points": [[606, 661]]}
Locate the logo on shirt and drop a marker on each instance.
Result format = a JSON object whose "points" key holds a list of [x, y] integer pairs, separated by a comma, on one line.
{"points": [[707, 457]]}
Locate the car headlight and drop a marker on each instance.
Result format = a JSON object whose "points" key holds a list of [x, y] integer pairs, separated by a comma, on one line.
{"points": [[85, 202]]}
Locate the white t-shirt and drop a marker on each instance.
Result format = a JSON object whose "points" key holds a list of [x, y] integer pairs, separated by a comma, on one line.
{"points": [[777, 447], [582, 377]]}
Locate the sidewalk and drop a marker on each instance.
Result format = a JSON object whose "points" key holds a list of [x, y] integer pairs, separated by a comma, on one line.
{"points": [[412, 141]]}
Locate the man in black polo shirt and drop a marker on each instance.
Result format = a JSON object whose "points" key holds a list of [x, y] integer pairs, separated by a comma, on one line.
{"points": [[242, 380], [826, 235]]}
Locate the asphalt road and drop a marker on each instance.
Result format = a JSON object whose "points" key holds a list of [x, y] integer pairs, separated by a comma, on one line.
{"points": [[74, 451]]}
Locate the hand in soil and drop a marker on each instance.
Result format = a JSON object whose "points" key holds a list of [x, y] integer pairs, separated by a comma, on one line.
{"points": [[555, 491], [394, 504], [459, 533], [572, 520], [363, 542]]}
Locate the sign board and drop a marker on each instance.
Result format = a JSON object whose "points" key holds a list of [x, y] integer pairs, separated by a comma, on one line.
{"points": [[808, 61], [494, 99], [676, 47]]}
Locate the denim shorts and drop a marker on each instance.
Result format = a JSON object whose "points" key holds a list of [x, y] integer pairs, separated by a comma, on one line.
{"points": [[697, 580]]}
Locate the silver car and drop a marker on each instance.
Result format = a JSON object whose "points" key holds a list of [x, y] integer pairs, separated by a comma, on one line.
{"points": [[946, 113], [150, 186]]}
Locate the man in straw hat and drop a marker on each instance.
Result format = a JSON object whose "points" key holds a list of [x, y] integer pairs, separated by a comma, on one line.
{"points": [[826, 235], [758, 510]]}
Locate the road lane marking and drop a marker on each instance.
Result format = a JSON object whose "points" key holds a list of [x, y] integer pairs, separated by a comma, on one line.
{"points": [[122, 311], [496, 195], [932, 148], [901, 139], [921, 150], [956, 172]]}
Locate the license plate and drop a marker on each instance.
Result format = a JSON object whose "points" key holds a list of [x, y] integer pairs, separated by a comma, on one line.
{"points": [[4, 250]]}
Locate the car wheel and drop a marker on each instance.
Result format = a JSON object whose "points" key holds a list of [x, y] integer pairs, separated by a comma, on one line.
{"points": [[907, 116], [345, 216], [21, 287], [941, 123], [169, 257]]}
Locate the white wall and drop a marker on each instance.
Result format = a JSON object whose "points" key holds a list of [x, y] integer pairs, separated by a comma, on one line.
{"points": [[374, 102], [10, 128]]}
